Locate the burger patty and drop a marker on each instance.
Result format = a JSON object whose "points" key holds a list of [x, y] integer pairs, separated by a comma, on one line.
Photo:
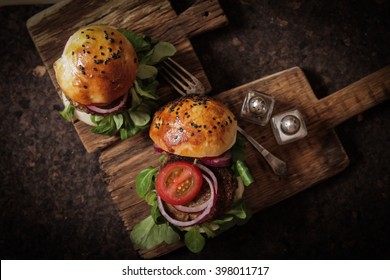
{"points": [[227, 185]]}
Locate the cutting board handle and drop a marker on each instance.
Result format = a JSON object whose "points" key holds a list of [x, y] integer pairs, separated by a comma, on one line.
{"points": [[353, 99]]}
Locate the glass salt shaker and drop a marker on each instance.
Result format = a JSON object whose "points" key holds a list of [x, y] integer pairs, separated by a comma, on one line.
{"points": [[257, 107]]}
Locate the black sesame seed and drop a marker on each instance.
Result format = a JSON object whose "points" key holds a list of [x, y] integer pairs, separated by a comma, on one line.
{"points": [[88, 52], [102, 53], [83, 45], [192, 134], [72, 53], [181, 129], [94, 68], [110, 49], [214, 127], [87, 36], [103, 72], [210, 131], [100, 47], [85, 87]]}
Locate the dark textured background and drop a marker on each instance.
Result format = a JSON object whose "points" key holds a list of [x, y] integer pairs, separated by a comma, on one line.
{"points": [[54, 204]]}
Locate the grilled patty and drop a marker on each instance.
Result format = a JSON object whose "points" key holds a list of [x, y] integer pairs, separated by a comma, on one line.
{"points": [[227, 185]]}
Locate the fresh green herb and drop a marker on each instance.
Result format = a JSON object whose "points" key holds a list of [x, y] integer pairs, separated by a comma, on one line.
{"points": [[145, 91], [162, 157], [139, 117], [160, 52], [237, 150], [144, 179], [156, 214], [147, 234], [194, 240], [150, 197], [239, 214], [244, 172], [68, 113], [146, 71]]}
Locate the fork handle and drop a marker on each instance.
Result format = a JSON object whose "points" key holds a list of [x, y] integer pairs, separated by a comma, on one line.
{"points": [[278, 166]]}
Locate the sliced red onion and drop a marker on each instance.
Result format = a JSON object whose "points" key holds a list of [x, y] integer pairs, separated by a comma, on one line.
{"points": [[157, 149], [206, 211], [106, 111], [221, 161], [197, 208], [211, 174]]}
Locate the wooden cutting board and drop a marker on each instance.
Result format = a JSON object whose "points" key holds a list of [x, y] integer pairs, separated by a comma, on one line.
{"points": [[51, 28], [310, 160]]}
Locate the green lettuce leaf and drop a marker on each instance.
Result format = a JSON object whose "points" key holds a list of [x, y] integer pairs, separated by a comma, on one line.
{"points": [[194, 240], [144, 179], [147, 234]]}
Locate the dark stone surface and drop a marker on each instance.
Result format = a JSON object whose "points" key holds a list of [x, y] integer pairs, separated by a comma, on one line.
{"points": [[54, 204]]}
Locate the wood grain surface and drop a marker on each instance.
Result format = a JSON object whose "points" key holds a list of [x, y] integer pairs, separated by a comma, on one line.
{"points": [[310, 160], [51, 28]]}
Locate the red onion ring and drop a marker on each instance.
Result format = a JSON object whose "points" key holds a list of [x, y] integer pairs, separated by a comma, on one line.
{"points": [[197, 208], [157, 148], [103, 111], [221, 161], [211, 174], [198, 219]]}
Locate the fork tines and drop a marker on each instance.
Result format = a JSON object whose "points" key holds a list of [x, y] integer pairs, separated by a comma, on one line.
{"points": [[180, 79]]}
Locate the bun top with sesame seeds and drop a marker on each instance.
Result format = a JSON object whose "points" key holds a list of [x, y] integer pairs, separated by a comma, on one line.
{"points": [[97, 66], [194, 126]]}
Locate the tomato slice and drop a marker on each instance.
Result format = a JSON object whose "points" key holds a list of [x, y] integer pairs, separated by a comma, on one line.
{"points": [[179, 182]]}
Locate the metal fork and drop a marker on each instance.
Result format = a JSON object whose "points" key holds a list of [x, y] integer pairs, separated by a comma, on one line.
{"points": [[181, 80], [186, 83]]}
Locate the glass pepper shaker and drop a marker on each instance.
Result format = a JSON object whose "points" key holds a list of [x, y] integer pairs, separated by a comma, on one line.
{"points": [[288, 127]]}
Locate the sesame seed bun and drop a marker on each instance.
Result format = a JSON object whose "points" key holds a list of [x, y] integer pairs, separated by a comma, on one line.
{"points": [[97, 66], [194, 126]]}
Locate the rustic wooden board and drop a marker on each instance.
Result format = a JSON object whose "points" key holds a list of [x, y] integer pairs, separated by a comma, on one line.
{"points": [[310, 160], [315, 158], [51, 28]]}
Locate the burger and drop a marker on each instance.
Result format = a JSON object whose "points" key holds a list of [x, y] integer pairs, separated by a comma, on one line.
{"points": [[196, 185], [107, 78]]}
